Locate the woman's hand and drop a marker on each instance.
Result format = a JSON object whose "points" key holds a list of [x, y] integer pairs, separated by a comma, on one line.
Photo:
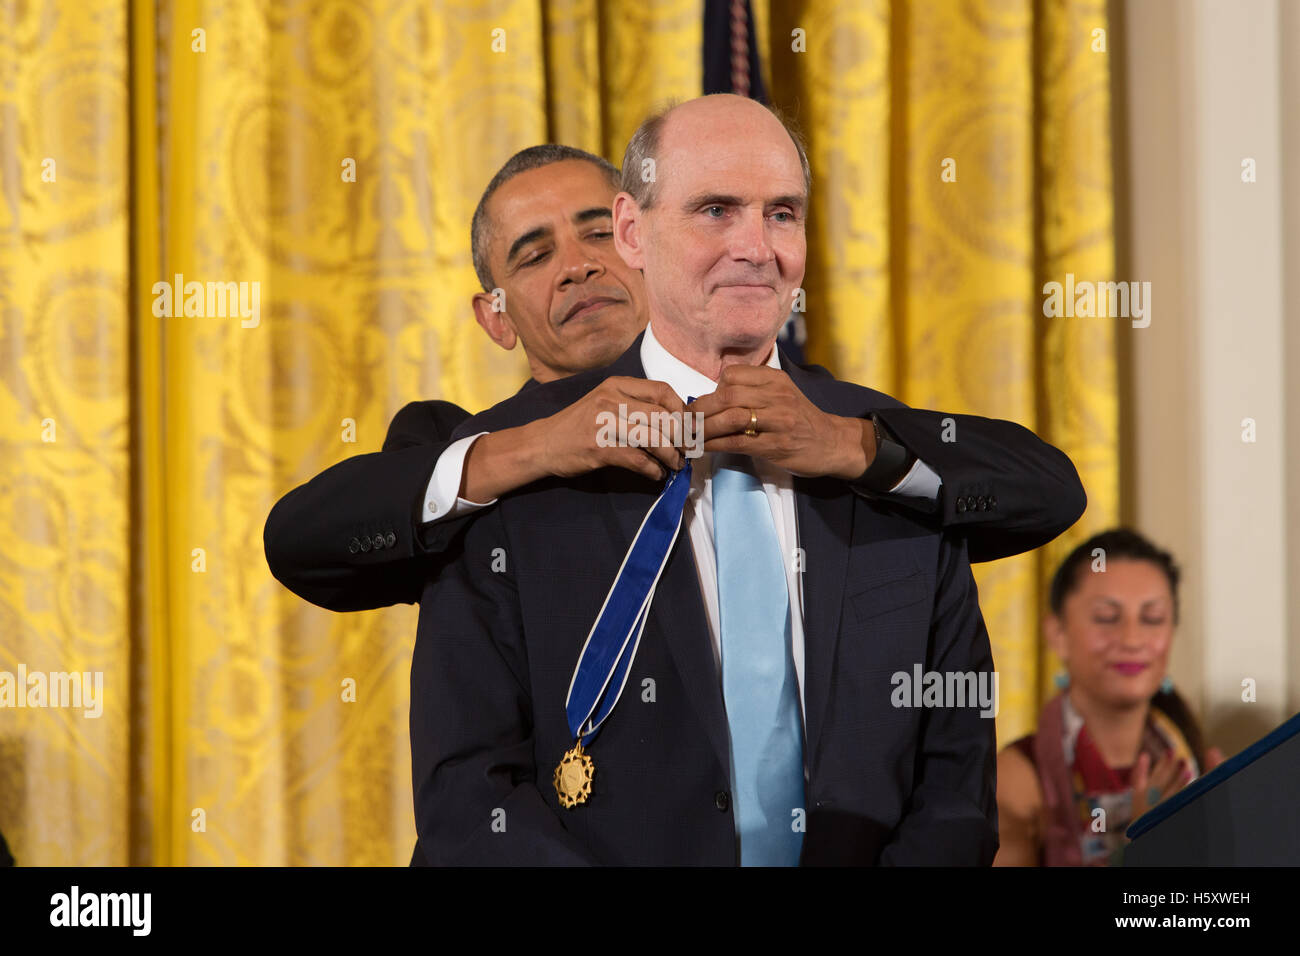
{"points": [[1151, 785], [1213, 757]]}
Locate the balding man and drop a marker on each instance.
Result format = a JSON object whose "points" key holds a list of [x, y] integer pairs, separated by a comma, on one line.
{"points": [[704, 671]]}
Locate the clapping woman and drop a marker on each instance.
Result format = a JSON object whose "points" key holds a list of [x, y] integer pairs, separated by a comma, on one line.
{"points": [[1118, 738]]}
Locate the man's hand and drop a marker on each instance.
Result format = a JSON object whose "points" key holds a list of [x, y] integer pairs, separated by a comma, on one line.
{"points": [[793, 433], [568, 439], [568, 443]]}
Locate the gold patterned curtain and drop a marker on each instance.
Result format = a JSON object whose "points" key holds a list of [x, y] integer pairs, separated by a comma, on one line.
{"points": [[328, 154]]}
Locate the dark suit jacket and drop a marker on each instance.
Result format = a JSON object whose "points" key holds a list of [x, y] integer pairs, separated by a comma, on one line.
{"points": [[883, 591], [1004, 490], [314, 534]]}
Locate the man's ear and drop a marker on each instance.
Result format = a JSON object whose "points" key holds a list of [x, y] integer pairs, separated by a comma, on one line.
{"points": [[627, 231], [494, 319]]}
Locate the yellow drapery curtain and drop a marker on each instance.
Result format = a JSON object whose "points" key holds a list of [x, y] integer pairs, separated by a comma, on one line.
{"points": [[332, 153]]}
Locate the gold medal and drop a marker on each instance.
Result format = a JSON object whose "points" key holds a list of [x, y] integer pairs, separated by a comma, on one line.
{"points": [[573, 777]]}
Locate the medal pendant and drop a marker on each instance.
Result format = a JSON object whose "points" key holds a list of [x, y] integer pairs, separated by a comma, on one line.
{"points": [[573, 777]]}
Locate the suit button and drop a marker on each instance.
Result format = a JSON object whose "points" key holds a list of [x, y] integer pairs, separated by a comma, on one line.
{"points": [[365, 544], [379, 541], [390, 539], [354, 545], [993, 502], [722, 800], [961, 505], [982, 503]]}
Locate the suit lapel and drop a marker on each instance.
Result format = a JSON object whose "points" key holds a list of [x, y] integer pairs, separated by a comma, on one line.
{"points": [[825, 525], [678, 611], [825, 514]]}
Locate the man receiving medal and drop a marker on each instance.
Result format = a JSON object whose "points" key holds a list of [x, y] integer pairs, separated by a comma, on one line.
{"points": [[697, 670]]}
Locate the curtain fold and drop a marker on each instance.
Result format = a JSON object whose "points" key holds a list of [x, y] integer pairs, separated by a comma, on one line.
{"points": [[65, 461]]}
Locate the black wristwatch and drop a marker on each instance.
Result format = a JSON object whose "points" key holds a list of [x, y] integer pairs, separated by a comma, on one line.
{"points": [[891, 464]]}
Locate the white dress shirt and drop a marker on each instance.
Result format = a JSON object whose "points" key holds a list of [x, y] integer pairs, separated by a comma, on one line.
{"points": [[442, 498]]}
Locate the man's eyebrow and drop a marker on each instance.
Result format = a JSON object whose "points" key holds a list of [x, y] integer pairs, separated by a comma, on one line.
{"points": [[541, 232], [701, 200], [532, 235]]}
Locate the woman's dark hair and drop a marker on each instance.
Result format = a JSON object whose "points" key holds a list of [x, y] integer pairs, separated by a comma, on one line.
{"points": [[1117, 543], [1173, 706], [1124, 543]]}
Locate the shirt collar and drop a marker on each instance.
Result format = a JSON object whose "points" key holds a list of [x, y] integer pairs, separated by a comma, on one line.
{"points": [[662, 366]]}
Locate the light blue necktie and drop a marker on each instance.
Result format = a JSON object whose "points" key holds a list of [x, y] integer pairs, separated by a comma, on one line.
{"points": [[758, 679]]}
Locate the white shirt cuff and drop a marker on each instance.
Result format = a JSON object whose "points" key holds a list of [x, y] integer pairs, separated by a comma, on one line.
{"points": [[921, 481], [442, 498]]}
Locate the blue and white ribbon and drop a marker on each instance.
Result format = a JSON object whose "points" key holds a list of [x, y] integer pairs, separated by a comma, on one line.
{"points": [[611, 646]]}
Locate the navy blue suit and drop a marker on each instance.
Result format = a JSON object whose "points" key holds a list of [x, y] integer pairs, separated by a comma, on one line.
{"points": [[884, 589]]}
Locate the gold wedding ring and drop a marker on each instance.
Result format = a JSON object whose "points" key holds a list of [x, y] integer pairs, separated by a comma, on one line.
{"points": [[752, 430]]}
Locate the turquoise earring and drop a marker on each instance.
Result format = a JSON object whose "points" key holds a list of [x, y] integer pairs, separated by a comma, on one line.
{"points": [[1167, 685], [1062, 679]]}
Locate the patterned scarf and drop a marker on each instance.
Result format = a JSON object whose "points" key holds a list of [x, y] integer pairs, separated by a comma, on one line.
{"points": [[1077, 782]]}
